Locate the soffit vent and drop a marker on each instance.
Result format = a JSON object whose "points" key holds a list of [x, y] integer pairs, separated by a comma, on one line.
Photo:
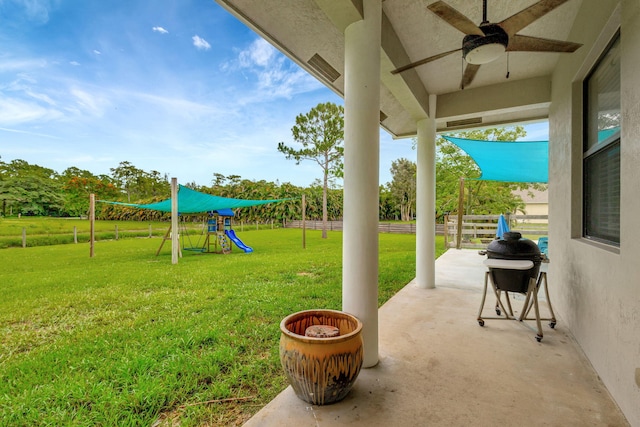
{"points": [[323, 67], [383, 117], [465, 122]]}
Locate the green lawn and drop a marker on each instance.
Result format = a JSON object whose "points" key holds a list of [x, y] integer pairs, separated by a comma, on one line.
{"points": [[126, 338]]}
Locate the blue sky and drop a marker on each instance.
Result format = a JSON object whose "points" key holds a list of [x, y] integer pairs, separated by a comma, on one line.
{"points": [[176, 86]]}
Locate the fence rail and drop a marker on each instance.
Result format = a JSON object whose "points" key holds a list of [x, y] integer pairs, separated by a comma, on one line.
{"points": [[478, 230], [383, 227]]}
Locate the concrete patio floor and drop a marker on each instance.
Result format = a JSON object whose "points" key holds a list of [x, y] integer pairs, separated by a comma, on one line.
{"points": [[438, 367]]}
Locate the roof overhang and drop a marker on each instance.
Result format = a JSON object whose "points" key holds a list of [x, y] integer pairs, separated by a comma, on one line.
{"points": [[311, 33]]}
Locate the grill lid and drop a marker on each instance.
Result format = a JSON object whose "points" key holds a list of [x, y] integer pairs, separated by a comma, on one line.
{"points": [[513, 247]]}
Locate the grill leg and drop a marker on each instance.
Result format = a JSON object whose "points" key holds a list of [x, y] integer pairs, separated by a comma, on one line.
{"points": [[484, 297], [532, 292], [498, 294], [543, 275], [552, 319], [506, 294]]}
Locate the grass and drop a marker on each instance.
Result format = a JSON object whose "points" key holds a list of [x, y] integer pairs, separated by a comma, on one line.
{"points": [[128, 339]]}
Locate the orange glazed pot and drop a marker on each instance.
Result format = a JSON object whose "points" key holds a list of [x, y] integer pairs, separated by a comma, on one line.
{"points": [[321, 370]]}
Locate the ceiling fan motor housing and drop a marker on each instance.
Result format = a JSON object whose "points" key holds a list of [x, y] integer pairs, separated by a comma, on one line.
{"points": [[484, 49]]}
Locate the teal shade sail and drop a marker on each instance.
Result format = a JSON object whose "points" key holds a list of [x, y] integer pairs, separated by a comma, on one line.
{"points": [[191, 202], [508, 161]]}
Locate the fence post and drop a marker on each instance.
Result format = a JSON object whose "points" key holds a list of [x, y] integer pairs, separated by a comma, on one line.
{"points": [[116, 231], [460, 214], [92, 224], [24, 237], [75, 234], [304, 222], [446, 231], [150, 233]]}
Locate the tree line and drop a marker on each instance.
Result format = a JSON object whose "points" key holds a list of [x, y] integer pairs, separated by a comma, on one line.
{"points": [[27, 189]]}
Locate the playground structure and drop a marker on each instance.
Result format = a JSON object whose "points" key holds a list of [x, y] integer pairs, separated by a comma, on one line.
{"points": [[219, 236], [219, 230], [185, 201]]}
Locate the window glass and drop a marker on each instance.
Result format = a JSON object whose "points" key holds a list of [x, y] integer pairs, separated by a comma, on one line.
{"points": [[602, 194], [601, 167], [603, 94]]}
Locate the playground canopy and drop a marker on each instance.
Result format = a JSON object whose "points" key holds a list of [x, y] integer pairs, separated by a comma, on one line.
{"points": [[508, 161], [191, 202]]}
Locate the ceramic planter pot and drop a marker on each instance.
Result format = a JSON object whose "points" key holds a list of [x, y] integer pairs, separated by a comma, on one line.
{"points": [[321, 369]]}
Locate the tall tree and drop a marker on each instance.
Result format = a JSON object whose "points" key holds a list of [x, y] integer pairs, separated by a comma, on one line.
{"points": [[321, 134], [125, 175], [78, 184], [403, 187], [138, 183], [29, 189]]}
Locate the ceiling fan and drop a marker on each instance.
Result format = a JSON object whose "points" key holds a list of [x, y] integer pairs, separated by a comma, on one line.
{"points": [[486, 42]]}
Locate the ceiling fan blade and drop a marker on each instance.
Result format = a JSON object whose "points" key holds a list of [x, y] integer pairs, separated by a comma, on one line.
{"points": [[516, 22], [424, 61], [519, 43], [469, 74], [454, 18]]}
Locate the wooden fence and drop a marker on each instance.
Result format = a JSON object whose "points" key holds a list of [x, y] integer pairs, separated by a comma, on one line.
{"points": [[383, 227], [478, 230]]}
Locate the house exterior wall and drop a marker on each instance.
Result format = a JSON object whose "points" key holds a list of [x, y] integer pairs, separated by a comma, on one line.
{"points": [[596, 289], [537, 209], [536, 203]]}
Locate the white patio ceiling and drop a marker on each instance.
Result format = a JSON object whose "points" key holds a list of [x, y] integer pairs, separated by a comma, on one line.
{"points": [[311, 33]]}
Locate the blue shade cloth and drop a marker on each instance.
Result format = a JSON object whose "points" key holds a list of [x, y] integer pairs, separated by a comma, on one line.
{"points": [[191, 201], [508, 161], [503, 227]]}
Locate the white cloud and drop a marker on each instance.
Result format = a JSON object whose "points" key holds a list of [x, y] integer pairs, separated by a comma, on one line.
{"points": [[14, 111], [97, 52], [200, 43], [42, 97], [36, 11], [74, 63], [24, 132], [274, 73], [260, 53], [88, 102], [183, 108], [160, 30], [11, 64]]}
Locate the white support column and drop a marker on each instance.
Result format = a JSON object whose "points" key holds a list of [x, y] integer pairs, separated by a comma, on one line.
{"points": [[361, 174], [426, 200]]}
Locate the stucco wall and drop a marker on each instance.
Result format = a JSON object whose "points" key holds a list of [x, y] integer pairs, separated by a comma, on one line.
{"points": [[596, 290]]}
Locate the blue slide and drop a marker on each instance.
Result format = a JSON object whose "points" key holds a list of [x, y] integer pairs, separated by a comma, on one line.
{"points": [[232, 235]]}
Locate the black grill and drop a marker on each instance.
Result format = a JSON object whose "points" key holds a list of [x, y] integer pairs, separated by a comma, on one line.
{"points": [[514, 247]]}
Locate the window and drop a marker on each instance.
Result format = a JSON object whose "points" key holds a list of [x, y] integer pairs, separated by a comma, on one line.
{"points": [[601, 151]]}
